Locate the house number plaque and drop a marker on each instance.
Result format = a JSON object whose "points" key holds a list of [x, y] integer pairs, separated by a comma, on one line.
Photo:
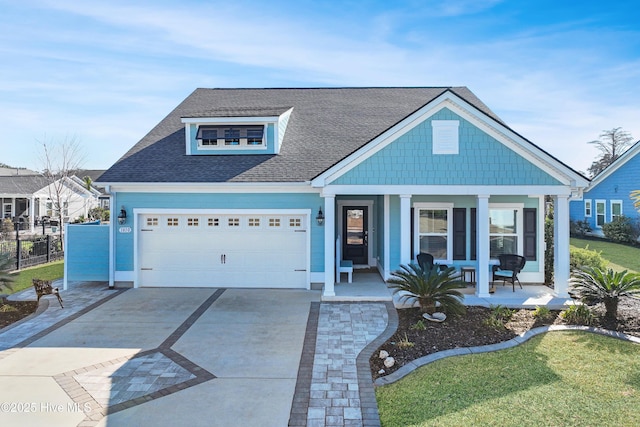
{"points": [[124, 229]]}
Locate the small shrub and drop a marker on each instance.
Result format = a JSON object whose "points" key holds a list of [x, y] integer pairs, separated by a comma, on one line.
{"points": [[498, 317], [430, 287], [419, 326], [493, 322], [593, 284], [501, 312], [548, 250], [579, 228], [541, 312], [404, 342], [5, 308], [621, 230], [578, 315], [579, 258]]}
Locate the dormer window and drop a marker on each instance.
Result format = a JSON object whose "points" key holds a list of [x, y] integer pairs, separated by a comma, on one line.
{"points": [[230, 136]]}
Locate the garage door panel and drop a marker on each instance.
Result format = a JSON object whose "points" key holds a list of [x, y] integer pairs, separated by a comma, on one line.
{"points": [[224, 251]]}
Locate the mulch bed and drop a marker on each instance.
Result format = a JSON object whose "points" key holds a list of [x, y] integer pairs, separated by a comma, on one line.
{"points": [[13, 311], [471, 330]]}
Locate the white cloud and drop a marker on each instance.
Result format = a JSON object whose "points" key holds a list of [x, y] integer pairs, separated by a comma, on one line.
{"points": [[127, 65]]}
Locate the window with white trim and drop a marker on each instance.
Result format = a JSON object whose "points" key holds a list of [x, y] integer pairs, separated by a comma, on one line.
{"points": [[587, 208], [616, 209], [505, 230], [601, 212], [433, 227], [240, 136]]}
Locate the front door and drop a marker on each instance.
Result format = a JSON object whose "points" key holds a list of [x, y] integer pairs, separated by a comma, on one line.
{"points": [[355, 246]]}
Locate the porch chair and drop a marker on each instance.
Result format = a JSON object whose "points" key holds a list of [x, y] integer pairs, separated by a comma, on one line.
{"points": [[342, 266], [426, 263], [43, 287], [510, 266]]}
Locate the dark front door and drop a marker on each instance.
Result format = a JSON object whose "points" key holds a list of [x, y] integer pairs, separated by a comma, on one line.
{"points": [[355, 246]]}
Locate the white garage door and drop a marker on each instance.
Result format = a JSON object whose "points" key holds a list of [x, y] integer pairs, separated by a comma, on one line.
{"points": [[243, 250]]}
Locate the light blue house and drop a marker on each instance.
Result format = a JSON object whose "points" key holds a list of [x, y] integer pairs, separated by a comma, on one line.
{"points": [[608, 195], [253, 187]]}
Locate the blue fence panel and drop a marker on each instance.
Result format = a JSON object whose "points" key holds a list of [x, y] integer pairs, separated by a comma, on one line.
{"points": [[87, 256]]}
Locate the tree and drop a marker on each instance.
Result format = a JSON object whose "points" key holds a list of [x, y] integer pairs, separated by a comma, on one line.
{"points": [[612, 144], [60, 160]]}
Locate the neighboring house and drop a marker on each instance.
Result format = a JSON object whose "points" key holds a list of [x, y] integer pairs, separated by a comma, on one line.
{"points": [[25, 198], [251, 188], [608, 195]]}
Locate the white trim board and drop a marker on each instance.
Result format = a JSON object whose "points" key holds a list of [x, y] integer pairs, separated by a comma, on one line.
{"points": [[462, 108]]}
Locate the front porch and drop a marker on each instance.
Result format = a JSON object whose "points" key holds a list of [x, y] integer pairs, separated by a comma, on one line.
{"points": [[368, 285]]}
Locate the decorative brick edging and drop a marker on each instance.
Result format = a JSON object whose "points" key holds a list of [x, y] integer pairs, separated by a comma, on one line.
{"points": [[302, 393], [412, 366], [368, 402]]}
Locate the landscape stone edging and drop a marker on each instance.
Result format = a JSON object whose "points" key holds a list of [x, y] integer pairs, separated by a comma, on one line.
{"points": [[425, 360], [43, 305]]}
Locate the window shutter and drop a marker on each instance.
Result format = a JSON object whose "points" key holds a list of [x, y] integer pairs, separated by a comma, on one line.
{"points": [[530, 231], [459, 233], [473, 238]]}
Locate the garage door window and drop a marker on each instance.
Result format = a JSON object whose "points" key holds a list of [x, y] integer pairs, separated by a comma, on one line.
{"points": [[213, 222], [295, 222], [152, 222], [254, 222], [274, 222], [234, 222], [172, 222], [192, 222]]}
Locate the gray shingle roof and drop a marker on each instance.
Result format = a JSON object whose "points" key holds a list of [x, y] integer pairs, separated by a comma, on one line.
{"points": [[326, 125], [22, 184]]}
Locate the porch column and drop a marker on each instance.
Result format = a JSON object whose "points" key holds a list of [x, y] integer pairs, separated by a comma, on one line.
{"points": [[405, 229], [329, 245], [387, 239], [561, 246], [482, 250], [32, 213]]}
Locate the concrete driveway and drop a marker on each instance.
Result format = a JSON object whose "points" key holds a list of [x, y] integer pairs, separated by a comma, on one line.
{"points": [[161, 357]]}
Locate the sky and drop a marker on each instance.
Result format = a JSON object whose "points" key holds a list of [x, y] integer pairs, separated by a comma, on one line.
{"points": [[104, 73]]}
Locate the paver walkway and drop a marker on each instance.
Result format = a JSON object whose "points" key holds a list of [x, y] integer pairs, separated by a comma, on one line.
{"points": [[335, 386]]}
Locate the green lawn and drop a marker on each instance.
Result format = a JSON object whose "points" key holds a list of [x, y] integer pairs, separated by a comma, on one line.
{"points": [[51, 271], [554, 379], [620, 257]]}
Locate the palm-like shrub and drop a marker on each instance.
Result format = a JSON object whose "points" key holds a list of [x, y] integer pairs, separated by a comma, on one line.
{"points": [[597, 284], [429, 287]]}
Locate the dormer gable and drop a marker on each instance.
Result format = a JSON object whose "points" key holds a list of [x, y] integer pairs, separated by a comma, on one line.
{"points": [[236, 131]]}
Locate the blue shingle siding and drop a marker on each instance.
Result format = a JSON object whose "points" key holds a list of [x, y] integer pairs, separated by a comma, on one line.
{"points": [[482, 160], [616, 186]]}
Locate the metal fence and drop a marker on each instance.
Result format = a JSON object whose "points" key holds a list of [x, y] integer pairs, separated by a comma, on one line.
{"points": [[30, 251]]}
